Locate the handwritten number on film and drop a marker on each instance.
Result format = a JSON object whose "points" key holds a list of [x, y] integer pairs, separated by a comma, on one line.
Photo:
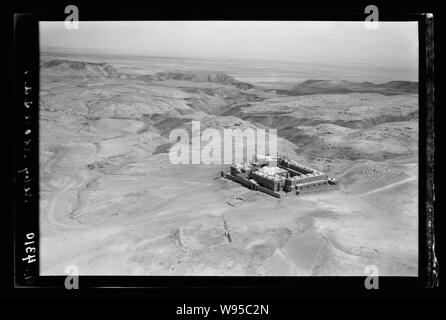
{"points": [[30, 250]]}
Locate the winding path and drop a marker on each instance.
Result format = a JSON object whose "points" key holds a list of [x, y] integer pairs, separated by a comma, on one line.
{"points": [[391, 185]]}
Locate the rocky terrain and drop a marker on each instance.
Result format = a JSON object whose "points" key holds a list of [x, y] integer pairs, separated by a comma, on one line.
{"points": [[333, 87], [112, 203]]}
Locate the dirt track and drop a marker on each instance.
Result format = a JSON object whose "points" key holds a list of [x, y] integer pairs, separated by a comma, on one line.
{"points": [[316, 234], [112, 203]]}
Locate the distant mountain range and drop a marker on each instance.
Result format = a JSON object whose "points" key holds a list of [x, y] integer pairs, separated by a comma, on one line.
{"points": [[82, 68], [202, 76], [338, 87], [90, 69], [309, 87]]}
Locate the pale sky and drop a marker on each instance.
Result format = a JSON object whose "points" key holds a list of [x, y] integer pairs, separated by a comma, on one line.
{"points": [[393, 44]]}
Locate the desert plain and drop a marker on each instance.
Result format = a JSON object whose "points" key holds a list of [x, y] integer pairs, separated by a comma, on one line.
{"points": [[111, 202]]}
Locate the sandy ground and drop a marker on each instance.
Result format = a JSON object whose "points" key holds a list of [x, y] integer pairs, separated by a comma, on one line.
{"points": [[111, 204], [174, 224]]}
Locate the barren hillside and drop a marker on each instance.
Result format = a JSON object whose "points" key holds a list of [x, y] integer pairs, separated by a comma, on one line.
{"points": [[112, 203]]}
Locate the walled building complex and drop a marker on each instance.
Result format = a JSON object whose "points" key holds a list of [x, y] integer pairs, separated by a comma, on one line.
{"points": [[278, 176]]}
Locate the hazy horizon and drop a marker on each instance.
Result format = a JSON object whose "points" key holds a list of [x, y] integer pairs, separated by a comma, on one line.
{"points": [[394, 44]]}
